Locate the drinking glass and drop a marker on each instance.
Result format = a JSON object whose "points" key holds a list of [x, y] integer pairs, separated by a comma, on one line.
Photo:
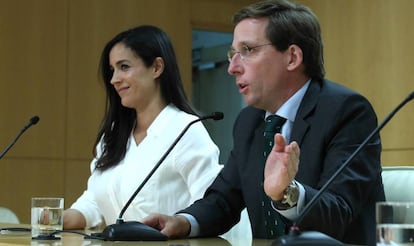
{"points": [[395, 223], [47, 215]]}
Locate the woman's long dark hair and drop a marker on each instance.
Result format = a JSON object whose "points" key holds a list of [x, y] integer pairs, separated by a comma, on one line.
{"points": [[148, 43]]}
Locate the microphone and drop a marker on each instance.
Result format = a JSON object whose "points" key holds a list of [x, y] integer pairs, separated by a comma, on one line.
{"points": [[295, 236], [32, 121], [134, 230]]}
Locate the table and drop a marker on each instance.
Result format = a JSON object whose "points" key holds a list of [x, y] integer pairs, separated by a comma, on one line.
{"points": [[24, 238]]}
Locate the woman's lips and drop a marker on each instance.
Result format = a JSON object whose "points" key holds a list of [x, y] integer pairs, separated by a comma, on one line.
{"points": [[122, 89]]}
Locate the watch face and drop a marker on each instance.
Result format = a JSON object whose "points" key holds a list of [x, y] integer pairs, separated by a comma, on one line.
{"points": [[291, 195], [295, 194]]}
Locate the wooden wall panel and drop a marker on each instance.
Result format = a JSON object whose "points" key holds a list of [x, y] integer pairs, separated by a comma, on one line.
{"points": [[22, 179], [367, 48], [32, 67], [75, 180], [398, 157], [215, 15], [33, 41]]}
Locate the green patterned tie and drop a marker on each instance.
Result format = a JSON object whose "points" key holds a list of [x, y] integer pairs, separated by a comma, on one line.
{"points": [[274, 224]]}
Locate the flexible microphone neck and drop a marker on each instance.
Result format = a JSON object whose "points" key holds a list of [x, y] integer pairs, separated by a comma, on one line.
{"points": [[346, 163], [214, 116], [32, 121]]}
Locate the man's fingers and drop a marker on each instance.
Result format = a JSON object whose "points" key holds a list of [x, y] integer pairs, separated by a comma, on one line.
{"points": [[280, 143], [293, 151]]}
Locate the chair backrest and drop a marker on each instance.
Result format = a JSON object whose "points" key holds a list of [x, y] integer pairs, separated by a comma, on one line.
{"points": [[8, 216], [398, 183]]}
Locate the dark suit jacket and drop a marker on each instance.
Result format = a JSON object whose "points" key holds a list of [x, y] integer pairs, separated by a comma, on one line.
{"points": [[332, 121]]}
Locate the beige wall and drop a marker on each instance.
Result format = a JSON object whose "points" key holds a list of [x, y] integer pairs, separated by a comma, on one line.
{"points": [[50, 50], [368, 48]]}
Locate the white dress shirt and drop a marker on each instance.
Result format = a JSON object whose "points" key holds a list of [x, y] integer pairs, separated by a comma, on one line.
{"points": [[181, 179]]}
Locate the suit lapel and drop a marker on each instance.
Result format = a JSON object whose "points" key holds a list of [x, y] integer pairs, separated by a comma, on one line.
{"points": [[308, 104]]}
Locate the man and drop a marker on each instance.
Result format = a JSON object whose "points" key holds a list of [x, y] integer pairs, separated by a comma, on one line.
{"points": [[277, 60]]}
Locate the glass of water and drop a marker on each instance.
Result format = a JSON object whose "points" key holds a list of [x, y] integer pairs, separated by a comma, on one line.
{"points": [[395, 223], [47, 215]]}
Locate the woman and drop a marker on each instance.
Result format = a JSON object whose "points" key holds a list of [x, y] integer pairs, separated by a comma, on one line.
{"points": [[146, 110]]}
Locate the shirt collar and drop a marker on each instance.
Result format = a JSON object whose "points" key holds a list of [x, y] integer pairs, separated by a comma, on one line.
{"points": [[289, 109]]}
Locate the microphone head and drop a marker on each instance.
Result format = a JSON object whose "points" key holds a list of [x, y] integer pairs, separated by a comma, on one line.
{"points": [[411, 96], [218, 115], [34, 120]]}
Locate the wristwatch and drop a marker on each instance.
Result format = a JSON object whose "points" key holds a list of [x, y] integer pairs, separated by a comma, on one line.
{"points": [[290, 197]]}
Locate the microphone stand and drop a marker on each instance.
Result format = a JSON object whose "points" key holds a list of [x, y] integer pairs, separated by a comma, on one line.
{"points": [[33, 121], [298, 238], [134, 230]]}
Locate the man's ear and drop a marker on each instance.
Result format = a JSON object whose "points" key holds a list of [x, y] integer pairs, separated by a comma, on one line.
{"points": [[295, 57], [158, 66]]}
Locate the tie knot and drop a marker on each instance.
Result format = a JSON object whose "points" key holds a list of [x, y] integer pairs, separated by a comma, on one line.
{"points": [[274, 123]]}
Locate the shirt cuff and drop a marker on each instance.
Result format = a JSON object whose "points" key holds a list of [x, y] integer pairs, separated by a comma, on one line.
{"points": [[293, 213], [194, 227], [92, 217]]}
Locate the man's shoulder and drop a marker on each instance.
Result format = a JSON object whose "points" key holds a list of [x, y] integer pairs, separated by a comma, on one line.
{"points": [[333, 88], [331, 98], [327, 91]]}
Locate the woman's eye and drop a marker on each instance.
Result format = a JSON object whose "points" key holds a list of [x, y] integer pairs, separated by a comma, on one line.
{"points": [[124, 67]]}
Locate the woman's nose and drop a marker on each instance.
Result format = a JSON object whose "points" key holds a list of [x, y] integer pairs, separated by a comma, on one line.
{"points": [[114, 78]]}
